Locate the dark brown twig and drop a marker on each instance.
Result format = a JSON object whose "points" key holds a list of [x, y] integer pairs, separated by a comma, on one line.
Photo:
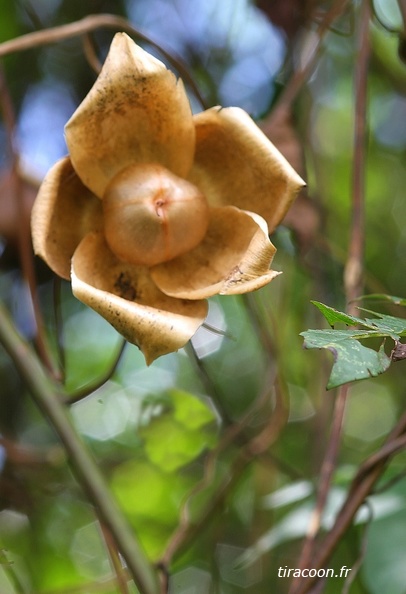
{"points": [[189, 528], [45, 395], [326, 474], [353, 281], [99, 382], [92, 23], [353, 273], [301, 75], [362, 485], [90, 53]]}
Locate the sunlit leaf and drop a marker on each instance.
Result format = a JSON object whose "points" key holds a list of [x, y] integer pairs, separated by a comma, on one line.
{"points": [[142, 491], [180, 435], [189, 410], [151, 491], [151, 499], [171, 446]]}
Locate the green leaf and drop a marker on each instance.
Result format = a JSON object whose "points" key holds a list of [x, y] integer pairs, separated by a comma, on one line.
{"points": [[170, 445], [181, 433], [189, 410], [352, 360], [143, 491], [394, 327], [388, 325], [333, 316], [151, 499]]}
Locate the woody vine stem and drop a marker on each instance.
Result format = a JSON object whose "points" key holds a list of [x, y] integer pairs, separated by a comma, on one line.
{"points": [[48, 398]]}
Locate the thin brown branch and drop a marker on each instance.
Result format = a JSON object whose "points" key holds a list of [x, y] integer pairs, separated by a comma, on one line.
{"points": [[353, 273], [301, 75], [326, 474], [92, 23], [45, 395], [99, 382], [190, 528], [353, 281], [362, 486], [90, 53]]}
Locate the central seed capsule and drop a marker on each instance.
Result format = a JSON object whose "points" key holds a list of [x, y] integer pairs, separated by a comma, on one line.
{"points": [[151, 215]]}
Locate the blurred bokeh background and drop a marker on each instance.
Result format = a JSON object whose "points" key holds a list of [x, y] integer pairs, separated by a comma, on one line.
{"points": [[152, 429]]}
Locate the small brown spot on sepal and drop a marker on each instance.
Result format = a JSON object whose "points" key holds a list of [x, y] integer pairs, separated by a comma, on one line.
{"points": [[124, 287]]}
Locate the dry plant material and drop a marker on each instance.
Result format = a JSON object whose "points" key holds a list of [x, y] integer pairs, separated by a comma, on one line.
{"points": [[156, 209]]}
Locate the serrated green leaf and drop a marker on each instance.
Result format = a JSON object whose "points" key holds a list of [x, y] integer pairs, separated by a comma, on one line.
{"points": [[388, 325], [333, 316], [394, 327], [352, 360]]}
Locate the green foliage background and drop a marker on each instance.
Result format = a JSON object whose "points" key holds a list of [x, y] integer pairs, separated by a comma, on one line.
{"points": [[173, 440]]}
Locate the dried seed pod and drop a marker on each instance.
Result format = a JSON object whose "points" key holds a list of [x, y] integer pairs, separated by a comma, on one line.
{"points": [[152, 216]]}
